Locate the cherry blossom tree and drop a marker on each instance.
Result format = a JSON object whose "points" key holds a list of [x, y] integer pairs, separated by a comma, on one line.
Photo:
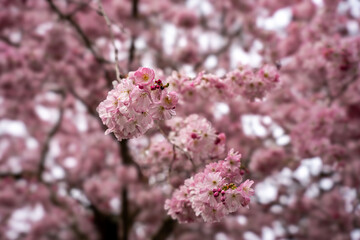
{"points": [[183, 120]]}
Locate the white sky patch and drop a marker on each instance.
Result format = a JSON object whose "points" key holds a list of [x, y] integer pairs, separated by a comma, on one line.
{"points": [[204, 6], [314, 165], [241, 220], [266, 191], [70, 162], [283, 140], [220, 109], [284, 177], [221, 236], [326, 184], [43, 28], [355, 234], [312, 191], [280, 19], [293, 229], [211, 62], [353, 27], [349, 194], [351, 5], [168, 35], [278, 228], [14, 164], [267, 234], [16, 37], [251, 236], [13, 128], [115, 205], [31, 143], [277, 209], [318, 2], [80, 117], [204, 41], [140, 44], [54, 151], [47, 114], [302, 174], [57, 172], [239, 56], [147, 60], [79, 195], [21, 220], [252, 125], [355, 7]]}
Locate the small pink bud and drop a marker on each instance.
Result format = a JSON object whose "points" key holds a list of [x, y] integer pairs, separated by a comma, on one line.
{"points": [[216, 194], [194, 135]]}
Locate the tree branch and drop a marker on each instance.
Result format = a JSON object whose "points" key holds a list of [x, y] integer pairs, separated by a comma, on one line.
{"points": [[165, 230], [78, 29], [50, 135]]}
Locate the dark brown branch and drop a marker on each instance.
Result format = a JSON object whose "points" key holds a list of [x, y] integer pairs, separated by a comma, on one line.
{"points": [[16, 176], [50, 135], [134, 14], [9, 42], [107, 227], [78, 29], [165, 230]]}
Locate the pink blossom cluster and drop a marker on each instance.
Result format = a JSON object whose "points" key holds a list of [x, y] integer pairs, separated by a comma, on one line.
{"points": [[268, 160], [156, 156], [212, 193], [252, 85], [243, 81], [195, 135], [185, 18], [316, 136], [131, 107]]}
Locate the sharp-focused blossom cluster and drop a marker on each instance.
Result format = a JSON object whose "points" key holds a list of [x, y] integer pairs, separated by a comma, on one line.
{"points": [[131, 107], [212, 193], [286, 94]]}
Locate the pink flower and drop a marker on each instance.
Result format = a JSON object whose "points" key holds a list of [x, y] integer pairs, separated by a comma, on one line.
{"points": [[169, 100], [140, 100], [232, 200], [129, 110], [246, 190], [144, 76], [211, 194]]}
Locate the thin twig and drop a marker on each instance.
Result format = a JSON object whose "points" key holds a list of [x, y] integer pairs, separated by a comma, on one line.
{"points": [[78, 29], [187, 154], [50, 135], [112, 38]]}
